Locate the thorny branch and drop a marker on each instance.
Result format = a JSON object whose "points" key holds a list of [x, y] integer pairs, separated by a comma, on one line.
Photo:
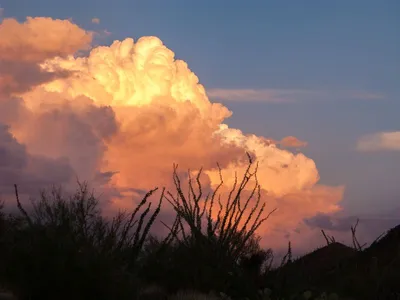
{"points": [[234, 223]]}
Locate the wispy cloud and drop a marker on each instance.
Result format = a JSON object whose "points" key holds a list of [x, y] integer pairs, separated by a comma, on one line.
{"points": [[259, 95], [96, 21], [292, 142], [366, 95], [288, 95], [381, 141]]}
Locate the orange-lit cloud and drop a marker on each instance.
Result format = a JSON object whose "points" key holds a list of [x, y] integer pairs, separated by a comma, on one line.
{"points": [[96, 21], [292, 142], [24, 46], [40, 38], [121, 117]]}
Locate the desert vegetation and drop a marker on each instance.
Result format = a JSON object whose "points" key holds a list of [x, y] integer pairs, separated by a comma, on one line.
{"points": [[65, 248]]}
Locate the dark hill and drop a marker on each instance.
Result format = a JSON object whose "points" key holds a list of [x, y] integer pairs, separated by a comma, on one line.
{"points": [[306, 271], [373, 273]]}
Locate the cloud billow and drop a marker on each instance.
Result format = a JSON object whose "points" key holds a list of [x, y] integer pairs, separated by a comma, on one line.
{"points": [[122, 115]]}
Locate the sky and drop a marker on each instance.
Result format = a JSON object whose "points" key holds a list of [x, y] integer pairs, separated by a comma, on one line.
{"points": [[325, 72]]}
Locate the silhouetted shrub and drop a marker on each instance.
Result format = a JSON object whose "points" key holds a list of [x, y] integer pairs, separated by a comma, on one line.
{"points": [[65, 249], [202, 253]]}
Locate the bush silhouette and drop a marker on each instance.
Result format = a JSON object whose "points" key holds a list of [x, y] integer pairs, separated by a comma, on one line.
{"points": [[204, 254], [66, 249]]}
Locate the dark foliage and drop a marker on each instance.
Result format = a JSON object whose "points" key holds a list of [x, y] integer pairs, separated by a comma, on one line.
{"points": [[64, 248], [205, 254]]}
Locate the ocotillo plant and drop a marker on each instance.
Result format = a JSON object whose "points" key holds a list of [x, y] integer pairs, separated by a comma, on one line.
{"points": [[219, 235], [230, 229]]}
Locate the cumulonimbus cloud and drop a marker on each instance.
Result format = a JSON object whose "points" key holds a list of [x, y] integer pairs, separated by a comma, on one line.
{"points": [[122, 115], [381, 141]]}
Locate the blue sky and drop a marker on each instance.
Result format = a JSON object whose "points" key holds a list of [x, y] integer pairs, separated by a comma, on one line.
{"points": [[345, 52]]}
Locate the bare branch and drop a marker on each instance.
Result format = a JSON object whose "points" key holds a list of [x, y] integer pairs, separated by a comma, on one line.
{"points": [[21, 209]]}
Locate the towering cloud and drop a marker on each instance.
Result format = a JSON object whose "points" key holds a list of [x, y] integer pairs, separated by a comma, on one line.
{"points": [[121, 117]]}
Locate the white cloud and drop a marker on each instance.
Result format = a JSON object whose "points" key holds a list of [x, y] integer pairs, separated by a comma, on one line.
{"points": [[381, 141]]}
